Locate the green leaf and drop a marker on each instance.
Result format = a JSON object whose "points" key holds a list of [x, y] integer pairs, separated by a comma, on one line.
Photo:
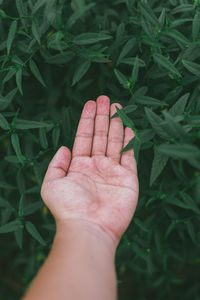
{"points": [[81, 71], [21, 206], [184, 151], [191, 232], [19, 236], [11, 35], [26, 124], [192, 67], [10, 227], [173, 128], [134, 75], [127, 109], [121, 78], [55, 136], [36, 72], [126, 120], [43, 138], [155, 122], [78, 14], [146, 100], [159, 162], [182, 8], [34, 233], [4, 123], [140, 225], [129, 146], [165, 63], [126, 49], [148, 13], [37, 5], [16, 146], [90, 38], [170, 228], [179, 107], [19, 80], [35, 31], [32, 207], [196, 26], [177, 36]]}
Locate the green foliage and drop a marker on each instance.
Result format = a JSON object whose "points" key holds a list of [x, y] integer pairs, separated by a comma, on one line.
{"points": [[54, 56]]}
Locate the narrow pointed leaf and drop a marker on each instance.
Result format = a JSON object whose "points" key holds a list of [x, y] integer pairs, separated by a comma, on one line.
{"points": [[19, 80], [165, 63], [159, 162], [81, 71], [184, 151], [179, 107], [194, 68], [10, 227], [127, 121], [4, 123], [11, 35], [78, 14], [34, 233], [36, 72], [16, 146], [121, 78], [90, 38], [128, 46]]}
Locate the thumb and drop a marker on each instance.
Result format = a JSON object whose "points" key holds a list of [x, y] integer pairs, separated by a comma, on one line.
{"points": [[59, 164]]}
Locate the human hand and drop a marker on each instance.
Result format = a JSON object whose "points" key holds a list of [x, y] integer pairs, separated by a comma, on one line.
{"points": [[95, 183]]}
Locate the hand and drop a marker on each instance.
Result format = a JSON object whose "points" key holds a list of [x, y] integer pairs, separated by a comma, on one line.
{"points": [[96, 183]]}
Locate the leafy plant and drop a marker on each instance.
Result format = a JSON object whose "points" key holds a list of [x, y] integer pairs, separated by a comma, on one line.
{"points": [[54, 56]]}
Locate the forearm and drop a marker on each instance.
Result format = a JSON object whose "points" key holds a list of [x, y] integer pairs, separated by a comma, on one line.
{"points": [[80, 266]]}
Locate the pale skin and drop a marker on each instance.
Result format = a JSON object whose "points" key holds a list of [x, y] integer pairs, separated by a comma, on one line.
{"points": [[92, 194]]}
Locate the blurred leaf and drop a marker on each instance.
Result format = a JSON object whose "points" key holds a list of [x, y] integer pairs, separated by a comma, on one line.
{"points": [[184, 151], [34, 233], [43, 138], [139, 223], [10, 227], [36, 72], [11, 35], [19, 80], [35, 31], [192, 67], [16, 146], [19, 236], [78, 14], [81, 71], [26, 124], [134, 75], [21, 206], [196, 25], [32, 207], [90, 38], [148, 13], [4, 123], [55, 136]]}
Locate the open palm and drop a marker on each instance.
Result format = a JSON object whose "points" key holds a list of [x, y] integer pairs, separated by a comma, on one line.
{"points": [[96, 183]]}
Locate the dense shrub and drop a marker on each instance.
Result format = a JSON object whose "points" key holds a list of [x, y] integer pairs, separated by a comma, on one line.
{"points": [[55, 55]]}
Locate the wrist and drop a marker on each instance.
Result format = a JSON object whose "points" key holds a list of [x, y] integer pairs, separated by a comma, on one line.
{"points": [[73, 229]]}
